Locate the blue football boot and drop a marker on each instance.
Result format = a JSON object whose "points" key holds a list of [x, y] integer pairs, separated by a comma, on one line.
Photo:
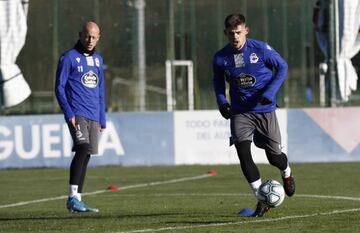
{"points": [[74, 205], [89, 209]]}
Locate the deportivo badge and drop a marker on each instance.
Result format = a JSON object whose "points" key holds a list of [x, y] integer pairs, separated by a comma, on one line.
{"points": [[253, 58], [97, 62], [89, 79]]}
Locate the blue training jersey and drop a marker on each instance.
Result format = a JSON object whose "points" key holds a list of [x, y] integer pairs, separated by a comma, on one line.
{"points": [[79, 86], [254, 71]]}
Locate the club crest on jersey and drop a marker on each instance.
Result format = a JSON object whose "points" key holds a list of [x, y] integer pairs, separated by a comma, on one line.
{"points": [[239, 60], [90, 79], [78, 59], [97, 62], [253, 58], [245, 80]]}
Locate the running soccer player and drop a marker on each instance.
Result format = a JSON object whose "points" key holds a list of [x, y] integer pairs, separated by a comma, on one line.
{"points": [[248, 65], [79, 90]]}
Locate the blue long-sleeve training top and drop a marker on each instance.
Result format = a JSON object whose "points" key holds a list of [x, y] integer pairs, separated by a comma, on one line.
{"points": [[79, 85], [254, 71]]}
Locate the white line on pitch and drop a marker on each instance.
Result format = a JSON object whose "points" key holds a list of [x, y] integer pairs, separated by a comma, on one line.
{"points": [[242, 222], [330, 197], [105, 191], [242, 194]]}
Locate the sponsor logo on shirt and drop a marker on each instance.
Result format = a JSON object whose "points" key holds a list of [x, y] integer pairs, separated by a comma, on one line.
{"points": [[90, 79], [245, 80]]}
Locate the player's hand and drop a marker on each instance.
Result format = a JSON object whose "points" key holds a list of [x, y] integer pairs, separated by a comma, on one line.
{"points": [[265, 101], [72, 122], [225, 111]]}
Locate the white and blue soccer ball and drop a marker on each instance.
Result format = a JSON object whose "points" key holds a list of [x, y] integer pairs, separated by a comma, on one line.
{"points": [[271, 192]]}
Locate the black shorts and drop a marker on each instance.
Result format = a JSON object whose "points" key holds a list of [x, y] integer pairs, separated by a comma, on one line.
{"points": [[262, 128], [86, 131]]}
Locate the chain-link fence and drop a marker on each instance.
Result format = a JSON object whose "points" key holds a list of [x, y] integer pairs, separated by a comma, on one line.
{"points": [[138, 36]]}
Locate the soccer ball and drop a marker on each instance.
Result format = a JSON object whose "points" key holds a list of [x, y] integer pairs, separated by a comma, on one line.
{"points": [[272, 193]]}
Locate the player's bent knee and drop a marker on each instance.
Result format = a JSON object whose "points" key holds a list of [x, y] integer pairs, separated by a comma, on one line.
{"points": [[277, 160]]}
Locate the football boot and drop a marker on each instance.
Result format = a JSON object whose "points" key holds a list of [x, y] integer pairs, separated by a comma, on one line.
{"points": [[261, 209], [74, 205], [289, 185]]}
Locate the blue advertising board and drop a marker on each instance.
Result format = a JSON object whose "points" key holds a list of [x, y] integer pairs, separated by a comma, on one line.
{"points": [[129, 139], [182, 137]]}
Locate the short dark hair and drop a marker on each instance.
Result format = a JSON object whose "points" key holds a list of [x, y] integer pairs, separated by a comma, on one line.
{"points": [[234, 20]]}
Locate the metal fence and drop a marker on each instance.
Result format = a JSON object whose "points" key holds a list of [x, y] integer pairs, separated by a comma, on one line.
{"points": [[138, 36]]}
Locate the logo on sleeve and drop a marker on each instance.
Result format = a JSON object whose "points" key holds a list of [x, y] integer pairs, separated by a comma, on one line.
{"points": [[245, 80], [90, 79]]}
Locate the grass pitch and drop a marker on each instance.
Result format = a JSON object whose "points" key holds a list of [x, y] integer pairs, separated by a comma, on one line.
{"points": [[180, 199]]}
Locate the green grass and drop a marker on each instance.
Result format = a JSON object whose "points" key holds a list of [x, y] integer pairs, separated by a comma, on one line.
{"points": [[203, 205]]}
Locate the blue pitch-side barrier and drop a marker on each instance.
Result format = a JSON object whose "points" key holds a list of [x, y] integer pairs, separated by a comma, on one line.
{"points": [[44, 141], [170, 138]]}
